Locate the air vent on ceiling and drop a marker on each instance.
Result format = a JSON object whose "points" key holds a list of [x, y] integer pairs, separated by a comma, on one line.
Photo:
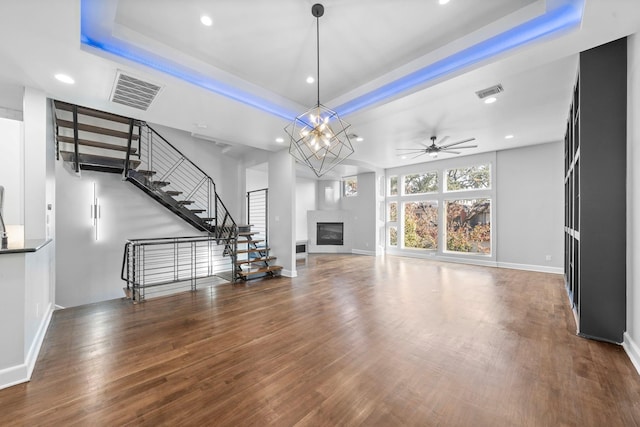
{"points": [[133, 92], [490, 91]]}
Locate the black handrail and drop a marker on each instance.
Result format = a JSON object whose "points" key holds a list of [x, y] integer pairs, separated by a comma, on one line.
{"points": [[176, 150]]}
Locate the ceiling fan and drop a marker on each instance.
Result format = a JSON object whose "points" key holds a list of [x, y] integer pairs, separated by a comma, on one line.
{"points": [[434, 149]]}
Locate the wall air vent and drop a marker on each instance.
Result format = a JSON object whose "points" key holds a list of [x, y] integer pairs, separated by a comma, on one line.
{"points": [[133, 92], [490, 91]]}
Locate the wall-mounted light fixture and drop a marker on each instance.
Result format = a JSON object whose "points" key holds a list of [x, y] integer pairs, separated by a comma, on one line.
{"points": [[95, 211]]}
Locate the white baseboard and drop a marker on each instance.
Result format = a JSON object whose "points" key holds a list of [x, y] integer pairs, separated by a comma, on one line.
{"points": [[530, 267], [14, 375], [22, 373], [289, 273], [361, 252], [632, 350]]}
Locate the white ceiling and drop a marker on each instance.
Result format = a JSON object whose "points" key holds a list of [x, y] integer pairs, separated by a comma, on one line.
{"points": [[267, 50]]}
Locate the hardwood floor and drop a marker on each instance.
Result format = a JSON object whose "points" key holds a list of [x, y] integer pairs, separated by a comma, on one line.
{"points": [[353, 340]]}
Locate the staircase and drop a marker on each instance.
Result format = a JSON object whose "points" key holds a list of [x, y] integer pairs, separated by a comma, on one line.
{"points": [[88, 139], [252, 259]]}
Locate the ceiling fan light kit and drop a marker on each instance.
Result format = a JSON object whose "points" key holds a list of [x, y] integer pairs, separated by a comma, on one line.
{"points": [[319, 137]]}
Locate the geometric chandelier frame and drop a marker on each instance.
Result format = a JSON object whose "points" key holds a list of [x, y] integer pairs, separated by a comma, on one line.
{"points": [[319, 137]]}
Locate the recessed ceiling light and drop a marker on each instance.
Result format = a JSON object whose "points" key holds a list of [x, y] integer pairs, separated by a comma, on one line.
{"points": [[403, 157], [65, 79], [508, 136], [359, 139], [490, 100], [310, 79], [206, 20], [443, 1], [279, 140]]}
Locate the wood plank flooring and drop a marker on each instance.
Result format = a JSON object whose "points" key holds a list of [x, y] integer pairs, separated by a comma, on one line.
{"points": [[354, 340]]}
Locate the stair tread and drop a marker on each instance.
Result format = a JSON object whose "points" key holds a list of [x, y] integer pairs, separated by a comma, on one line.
{"points": [[251, 251], [94, 159], [197, 210], [173, 193], [160, 183], [146, 172], [247, 233], [96, 144], [250, 241], [255, 260], [185, 202], [95, 129], [267, 269], [91, 112]]}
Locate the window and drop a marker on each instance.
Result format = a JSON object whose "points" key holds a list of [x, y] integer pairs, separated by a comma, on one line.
{"points": [[393, 212], [441, 208], [421, 183], [393, 236], [393, 186], [350, 186], [471, 178], [421, 225], [469, 226]]}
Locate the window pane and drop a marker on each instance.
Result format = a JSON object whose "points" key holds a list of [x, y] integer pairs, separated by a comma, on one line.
{"points": [[471, 178], [393, 236], [421, 225], [393, 186], [421, 183], [351, 186], [469, 226], [393, 211]]}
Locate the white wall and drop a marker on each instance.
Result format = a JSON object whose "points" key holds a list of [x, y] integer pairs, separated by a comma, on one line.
{"points": [[362, 210], [224, 170], [530, 207], [528, 199], [27, 281], [88, 270], [329, 195], [257, 179], [11, 175], [35, 165], [305, 201], [632, 336], [282, 213], [126, 213]]}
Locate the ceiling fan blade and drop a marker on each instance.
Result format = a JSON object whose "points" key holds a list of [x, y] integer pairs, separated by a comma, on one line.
{"points": [[459, 142], [410, 149], [466, 146], [450, 151], [421, 154], [444, 138]]}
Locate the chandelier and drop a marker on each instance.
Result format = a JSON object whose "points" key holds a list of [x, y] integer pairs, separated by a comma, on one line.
{"points": [[319, 136]]}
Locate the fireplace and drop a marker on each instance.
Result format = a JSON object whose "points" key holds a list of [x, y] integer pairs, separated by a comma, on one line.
{"points": [[330, 233]]}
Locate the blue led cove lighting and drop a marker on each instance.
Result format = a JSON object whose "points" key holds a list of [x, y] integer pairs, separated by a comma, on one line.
{"points": [[565, 15]]}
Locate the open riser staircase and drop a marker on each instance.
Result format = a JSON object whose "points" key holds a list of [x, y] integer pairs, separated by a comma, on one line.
{"points": [[89, 139]]}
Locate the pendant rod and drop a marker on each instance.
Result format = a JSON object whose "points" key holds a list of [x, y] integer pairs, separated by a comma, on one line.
{"points": [[318, 55]]}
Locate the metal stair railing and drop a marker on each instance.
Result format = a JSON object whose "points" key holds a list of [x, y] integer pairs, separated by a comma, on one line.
{"points": [[180, 184], [151, 264]]}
